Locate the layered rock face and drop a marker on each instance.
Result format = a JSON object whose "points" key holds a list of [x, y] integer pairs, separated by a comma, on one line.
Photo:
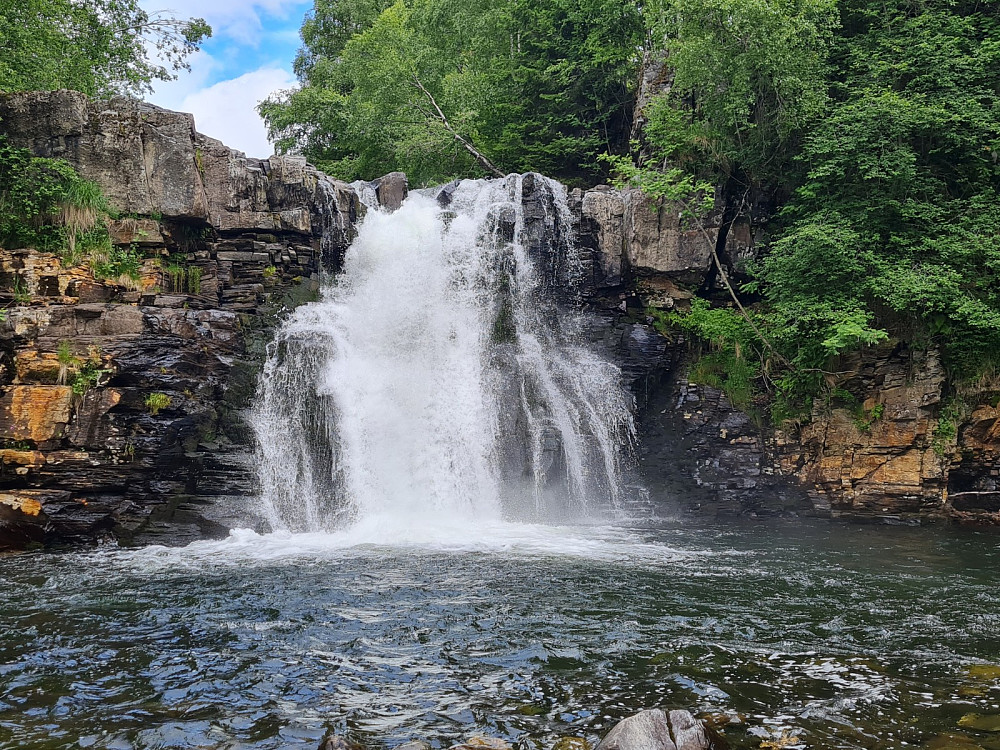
{"points": [[899, 445], [120, 404]]}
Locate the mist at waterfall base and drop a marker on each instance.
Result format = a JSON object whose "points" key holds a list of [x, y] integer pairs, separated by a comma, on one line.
{"points": [[443, 548], [441, 391]]}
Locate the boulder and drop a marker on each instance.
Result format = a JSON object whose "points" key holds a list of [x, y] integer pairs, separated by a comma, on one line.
{"points": [[654, 729], [391, 190]]}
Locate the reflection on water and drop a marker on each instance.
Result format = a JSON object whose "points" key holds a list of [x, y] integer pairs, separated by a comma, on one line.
{"points": [[844, 636]]}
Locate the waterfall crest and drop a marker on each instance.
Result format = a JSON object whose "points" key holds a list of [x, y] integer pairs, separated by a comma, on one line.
{"points": [[443, 374]]}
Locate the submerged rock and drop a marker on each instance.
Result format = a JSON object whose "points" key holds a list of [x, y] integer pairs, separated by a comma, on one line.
{"points": [[571, 743], [981, 722], [482, 743], [335, 742]]}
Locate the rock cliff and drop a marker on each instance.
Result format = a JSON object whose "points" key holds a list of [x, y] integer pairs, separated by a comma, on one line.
{"points": [[156, 439], [900, 443], [121, 408]]}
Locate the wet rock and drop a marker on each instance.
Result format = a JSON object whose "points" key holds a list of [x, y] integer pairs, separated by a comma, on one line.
{"points": [[446, 194], [391, 190], [571, 743], [606, 209], [654, 729], [482, 743], [981, 722], [334, 742], [35, 413]]}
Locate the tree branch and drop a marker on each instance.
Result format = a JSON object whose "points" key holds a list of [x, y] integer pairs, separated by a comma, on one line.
{"points": [[475, 153], [712, 242]]}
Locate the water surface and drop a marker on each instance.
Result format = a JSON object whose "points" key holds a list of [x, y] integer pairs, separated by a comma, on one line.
{"points": [[845, 636]]}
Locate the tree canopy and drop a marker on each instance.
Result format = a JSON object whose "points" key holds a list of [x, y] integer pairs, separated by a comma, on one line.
{"points": [[876, 127], [99, 47], [430, 86]]}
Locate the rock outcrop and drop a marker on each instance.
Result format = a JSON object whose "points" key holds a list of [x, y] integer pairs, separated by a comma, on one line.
{"points": [[882, 455], [120, 404], [897, 445]]}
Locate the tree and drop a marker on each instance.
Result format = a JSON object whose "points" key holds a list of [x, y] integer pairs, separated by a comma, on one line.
{"points": [[896, 208], [875, 127], [441, 88], [99, 47]]}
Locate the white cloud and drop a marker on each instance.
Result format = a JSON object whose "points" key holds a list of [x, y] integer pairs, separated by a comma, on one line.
{"points": [[171, 94], [237, 19], [227, 110]]}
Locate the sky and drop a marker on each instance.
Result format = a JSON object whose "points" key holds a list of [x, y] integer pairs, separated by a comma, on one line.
{"points": [[249, 56]]}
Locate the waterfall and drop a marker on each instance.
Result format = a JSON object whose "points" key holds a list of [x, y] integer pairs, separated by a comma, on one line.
{"points": [[443, 374]]}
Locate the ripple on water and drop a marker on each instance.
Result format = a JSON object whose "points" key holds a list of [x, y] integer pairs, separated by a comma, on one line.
{"points": [[849, 639]]}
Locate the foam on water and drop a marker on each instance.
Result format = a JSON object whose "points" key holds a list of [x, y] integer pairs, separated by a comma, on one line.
{"points": [[394, 534]]}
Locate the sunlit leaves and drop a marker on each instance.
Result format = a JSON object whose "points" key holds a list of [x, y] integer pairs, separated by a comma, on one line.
{"points": [[533, 85], [99, 47]]}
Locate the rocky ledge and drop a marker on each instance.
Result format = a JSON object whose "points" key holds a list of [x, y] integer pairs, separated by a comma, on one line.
{"points": [[121, 403]]}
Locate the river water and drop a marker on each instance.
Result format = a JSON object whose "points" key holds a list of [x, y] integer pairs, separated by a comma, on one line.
{"points": [[844, 636]]}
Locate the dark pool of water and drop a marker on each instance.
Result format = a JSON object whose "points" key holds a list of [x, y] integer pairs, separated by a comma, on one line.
{"points": [[845, 636]]}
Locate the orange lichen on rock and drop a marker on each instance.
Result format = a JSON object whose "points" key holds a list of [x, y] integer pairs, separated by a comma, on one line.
{"points": [[27, 505], [35, 412], [12, 457]]}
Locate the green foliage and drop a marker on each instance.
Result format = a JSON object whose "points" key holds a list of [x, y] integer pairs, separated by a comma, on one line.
{"points": [[32, 190], [530, 85], [896, 210], [86, 378], [19, 291], [65, 354], [863, 418], [121, 265], [734, 360], [946, 431], [156, 402], [99, 47], [177, 274], [748, 75], [86, 373], [184, 278], [877, 125], [16, 445]]}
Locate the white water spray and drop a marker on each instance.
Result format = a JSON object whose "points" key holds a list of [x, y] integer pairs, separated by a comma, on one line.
{"points": [[438, 378]]}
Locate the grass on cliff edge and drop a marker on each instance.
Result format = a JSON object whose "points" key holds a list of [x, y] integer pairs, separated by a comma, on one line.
{"points": [[46, 205]]}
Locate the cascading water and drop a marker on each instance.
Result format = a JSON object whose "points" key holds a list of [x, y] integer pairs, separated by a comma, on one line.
{"points": [[438, 377]]}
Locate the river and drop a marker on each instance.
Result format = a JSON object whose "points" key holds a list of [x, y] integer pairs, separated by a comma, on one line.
{"points": [[844, 636]]}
